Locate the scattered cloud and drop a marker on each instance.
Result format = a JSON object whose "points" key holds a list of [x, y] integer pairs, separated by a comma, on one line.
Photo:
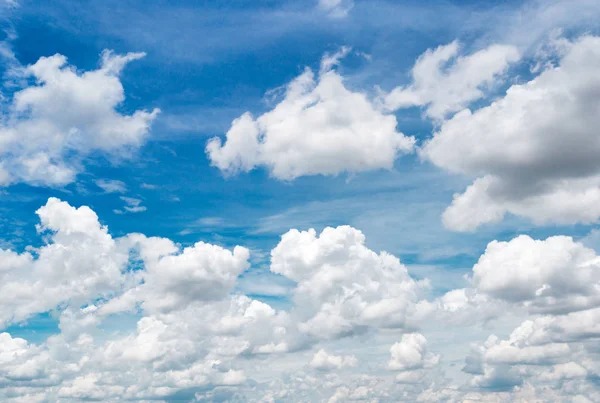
{"points": [[111, 185], [339, 288], [533, 150], [444, 82], [319, 128], [326, 362], [132, 205], [279, 314], [53, 124]]}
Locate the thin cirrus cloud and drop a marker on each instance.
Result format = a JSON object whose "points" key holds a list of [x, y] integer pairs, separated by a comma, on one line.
{"points": [[132, 205], [318, 128], [335, 8], [52, 125], [111, 185]]}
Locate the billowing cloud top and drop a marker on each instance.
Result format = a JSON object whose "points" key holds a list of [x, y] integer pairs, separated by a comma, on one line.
{"points": [[320, 127], [65, 116], [534, 149]]}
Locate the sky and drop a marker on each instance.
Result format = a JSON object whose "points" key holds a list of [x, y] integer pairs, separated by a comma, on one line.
{"points": [[300, 201]]}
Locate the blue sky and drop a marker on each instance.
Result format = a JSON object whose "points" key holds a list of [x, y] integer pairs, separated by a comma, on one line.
{"points": [[207, 63]]}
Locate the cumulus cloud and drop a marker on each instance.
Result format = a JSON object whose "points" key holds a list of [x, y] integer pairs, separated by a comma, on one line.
{"points": [[503, 364], [411, 353], [320, 127], [322, 360], [132, 205], [173, 278], [53, 124], [194, 332], [553, 284], [342, 286], [191, 325], [444, 82], [81, 261], [552, 275], [534, 149]]}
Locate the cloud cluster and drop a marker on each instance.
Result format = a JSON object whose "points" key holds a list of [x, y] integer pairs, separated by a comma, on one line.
{"points": [[51, 125], [80, 262], [195, 334], [358, 326], [555, 285], [193, 330], [533, 150]]}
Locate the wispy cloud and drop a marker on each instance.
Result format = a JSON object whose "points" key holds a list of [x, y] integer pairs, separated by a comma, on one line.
{"points": [[132, 205], [111, 185]]}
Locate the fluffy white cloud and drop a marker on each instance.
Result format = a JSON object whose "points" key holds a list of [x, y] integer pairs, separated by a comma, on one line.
{"points": [[81, 261], [534, 149], [444, 82], [342, 286], [20, 361], [174, 278], [66, 115], [320, 127], [554, 285], [411, 353], [322, 360], [503, 364], [552, 275], [190, 330]]}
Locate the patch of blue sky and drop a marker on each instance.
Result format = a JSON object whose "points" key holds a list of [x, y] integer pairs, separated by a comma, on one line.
{"points": [[35, 329]]}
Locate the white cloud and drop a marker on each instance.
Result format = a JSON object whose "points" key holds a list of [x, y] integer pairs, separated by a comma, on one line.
{"points": [[80, 262], [322, 360], [195, 333], [444, 82], [320, 127], [190, 329], [66, 115], [411, 353], [173, 278], [342, 286], [20, 361], [132, 205], [111, 185], [336, 8], [534, 149]]}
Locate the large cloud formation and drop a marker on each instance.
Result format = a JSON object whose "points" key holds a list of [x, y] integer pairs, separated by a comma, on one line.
{"points": [[534, 150], [66, 115], [320, 127], [357, 326], [349, 334], [192, 329]]}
